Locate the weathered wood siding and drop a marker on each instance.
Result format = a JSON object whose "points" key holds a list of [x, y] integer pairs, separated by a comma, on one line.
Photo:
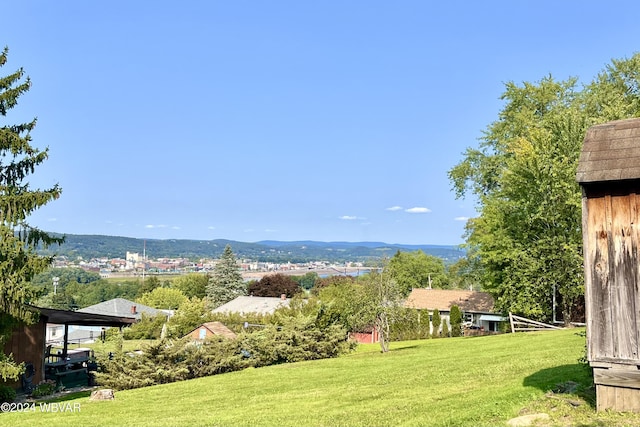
{"points": [[27, 344], [609, 174], [611, 240]]}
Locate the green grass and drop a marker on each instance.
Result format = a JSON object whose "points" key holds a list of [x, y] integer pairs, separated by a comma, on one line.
{"points": [[481, 381]]}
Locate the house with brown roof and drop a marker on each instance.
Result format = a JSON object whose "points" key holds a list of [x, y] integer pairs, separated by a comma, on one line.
{"points": [[477, 307], [210, 329]]}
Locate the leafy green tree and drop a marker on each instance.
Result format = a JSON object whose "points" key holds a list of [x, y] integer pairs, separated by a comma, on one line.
{"points": [[274, 285], [417, 270], [307, 281], [382, 302], [335, 280], [455, 318], [373, 300], [192, 285], [527, 239], [65, 276], [226, 283], [435, 323], [165, 298], [84, 295], [19, 262], [148, 328], [149, 284], [465, 273]]}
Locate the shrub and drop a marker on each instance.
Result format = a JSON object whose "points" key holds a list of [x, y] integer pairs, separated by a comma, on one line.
{"points": [[44, 388], [147, 328], [296, 339], [411, 324], [445, 329], [7, 394], [435, 321], [455, 317]]}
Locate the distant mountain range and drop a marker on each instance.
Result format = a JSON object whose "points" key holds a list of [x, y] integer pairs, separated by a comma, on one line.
{"points": [[97, 246]]}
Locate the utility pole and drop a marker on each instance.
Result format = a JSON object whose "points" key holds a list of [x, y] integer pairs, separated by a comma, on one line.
{"points": [[55, 284]]}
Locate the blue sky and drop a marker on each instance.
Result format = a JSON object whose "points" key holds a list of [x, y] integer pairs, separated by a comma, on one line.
{"points": [[282, 120]]}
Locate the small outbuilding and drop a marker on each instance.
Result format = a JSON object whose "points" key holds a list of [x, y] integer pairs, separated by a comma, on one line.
{"points": [[210, 329], [27, 343], [609, 176]]}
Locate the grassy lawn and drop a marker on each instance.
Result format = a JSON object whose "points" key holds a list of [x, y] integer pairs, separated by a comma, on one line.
{"points": [[481, 381]]}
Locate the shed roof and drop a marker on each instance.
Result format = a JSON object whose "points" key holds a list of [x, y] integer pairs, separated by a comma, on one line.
{"points": [[216, 328], [444, 299], [610, 152], [62, 317]]}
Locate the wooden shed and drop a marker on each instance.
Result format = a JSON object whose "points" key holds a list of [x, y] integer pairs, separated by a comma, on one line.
{"points": [[609, 175], [210, 329], [27, 342]]}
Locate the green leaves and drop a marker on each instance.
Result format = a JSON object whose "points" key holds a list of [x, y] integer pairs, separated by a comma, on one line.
{"points": [[527, 240]]}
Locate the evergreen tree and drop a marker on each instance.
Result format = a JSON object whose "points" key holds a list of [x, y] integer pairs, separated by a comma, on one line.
{"points": [[445, 328], [226, 282], [19, 262], [455, 318], [435, 323]]}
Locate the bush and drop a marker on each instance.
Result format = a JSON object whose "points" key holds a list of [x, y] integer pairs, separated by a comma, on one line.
{"points": [[44, 388], [455, 317], [147, 328], [7, 394], [411, 324], [435, 321], [445, 329], [296, 339]]}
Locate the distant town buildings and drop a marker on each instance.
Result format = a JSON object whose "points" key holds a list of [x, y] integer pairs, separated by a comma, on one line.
{"points": [[135, 264]]}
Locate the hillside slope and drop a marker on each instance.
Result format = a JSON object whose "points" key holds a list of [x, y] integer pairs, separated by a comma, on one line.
{"points": [[96, 246]]}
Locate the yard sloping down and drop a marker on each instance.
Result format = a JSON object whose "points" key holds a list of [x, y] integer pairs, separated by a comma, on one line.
{"points": [[473, 381]]}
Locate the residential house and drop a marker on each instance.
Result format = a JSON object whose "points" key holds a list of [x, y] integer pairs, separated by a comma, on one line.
{"points": [[477, 307], [251, 304], [125, 308], [121, 307], [210, 329]]}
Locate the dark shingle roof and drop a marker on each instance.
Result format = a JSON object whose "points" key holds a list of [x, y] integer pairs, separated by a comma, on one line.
{"points": [[611, 152], [122, 307]]}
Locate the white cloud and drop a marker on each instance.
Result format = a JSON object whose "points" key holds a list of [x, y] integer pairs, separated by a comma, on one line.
{"points": [[348, 217], [461, 218], [211, 227], [394, 208], [269, 230], [149, 226], [418, 210], [52, 219], [175, 227]]}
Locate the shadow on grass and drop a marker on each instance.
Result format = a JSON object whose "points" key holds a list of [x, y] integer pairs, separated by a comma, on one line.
{"points": [[576, 379], [404, 347], [68, 396]]}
